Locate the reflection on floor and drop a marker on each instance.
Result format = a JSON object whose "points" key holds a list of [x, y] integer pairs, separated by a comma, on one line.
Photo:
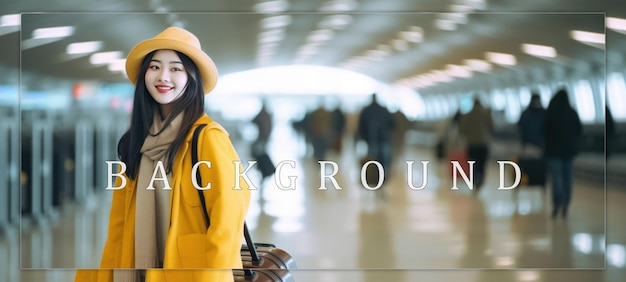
{"points": [[397, 233]]}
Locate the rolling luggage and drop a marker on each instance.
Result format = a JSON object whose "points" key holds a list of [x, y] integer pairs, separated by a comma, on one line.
{"points": [[534, 171], [263, 275], [261, 262], [270, 256], [264, 262], [265, 164]]}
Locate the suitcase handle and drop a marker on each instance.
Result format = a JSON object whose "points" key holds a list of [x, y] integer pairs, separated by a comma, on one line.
{"points": [[194, 159]]}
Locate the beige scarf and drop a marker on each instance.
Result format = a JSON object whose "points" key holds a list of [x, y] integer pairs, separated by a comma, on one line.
{"points": [[152, 206]]}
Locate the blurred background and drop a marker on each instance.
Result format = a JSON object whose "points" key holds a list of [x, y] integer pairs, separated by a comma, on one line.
{"points": [[296, 76]]}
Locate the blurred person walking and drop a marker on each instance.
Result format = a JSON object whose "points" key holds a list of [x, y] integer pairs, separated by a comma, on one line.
{"points": [[319, 127], [375, 127], [476, 127], [529, 126], [264, 124], [338, 129], [157, 230], [449, 139], [561, 131]]}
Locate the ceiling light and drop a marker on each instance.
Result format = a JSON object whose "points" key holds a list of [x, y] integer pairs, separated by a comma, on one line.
{"points": [[475, 4], [385, 48], [339, 6], [275, 21], [275, 6], [375, 54], [161, 9], [336, 21], [270, 45], [415, 34], [273, 35], [460, 8], [588, 37], [53, 32], [528, 275], [117, 65], [539, 50], [458, 71], [440, 76], [321, 35], [478, 65], [400, 45], [458, 18], [445, 24], [616, 23], [501, 58], [83, 47], [104, 57], [10, 20]]}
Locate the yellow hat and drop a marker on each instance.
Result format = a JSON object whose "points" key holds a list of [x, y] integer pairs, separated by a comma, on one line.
{"points": [[178, 39]]}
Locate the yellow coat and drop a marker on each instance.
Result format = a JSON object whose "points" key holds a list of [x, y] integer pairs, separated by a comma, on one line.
{"points": [[189, 244]]}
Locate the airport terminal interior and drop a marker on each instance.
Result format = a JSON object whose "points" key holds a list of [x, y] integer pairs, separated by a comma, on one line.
{"points": [[313, 69]]}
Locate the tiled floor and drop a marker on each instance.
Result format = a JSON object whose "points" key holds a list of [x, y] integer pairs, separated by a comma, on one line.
{"points": [[398, 234]]}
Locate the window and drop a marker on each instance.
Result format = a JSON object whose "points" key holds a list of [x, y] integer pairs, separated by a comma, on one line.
{"points": [[512, 105], [466, 102], [584, 102], [498, 100], [617, 96], [524, 96]]}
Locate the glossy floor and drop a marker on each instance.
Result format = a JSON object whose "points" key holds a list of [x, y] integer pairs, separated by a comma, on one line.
{"points": [[397, 233]]}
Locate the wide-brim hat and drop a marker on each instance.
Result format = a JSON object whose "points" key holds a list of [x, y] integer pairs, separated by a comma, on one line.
{"points": [[178, 39]]}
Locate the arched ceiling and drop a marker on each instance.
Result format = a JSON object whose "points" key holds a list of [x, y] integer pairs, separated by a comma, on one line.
{"points": [[229, 31]]}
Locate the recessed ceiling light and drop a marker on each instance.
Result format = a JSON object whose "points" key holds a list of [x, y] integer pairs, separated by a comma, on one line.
{"points": [[478, 65], [117, 65], [501, 58], [588, 37], [440, 76], [445, 24], [83, 47], [10, 20], [415, 34], [616, 23], [336, 21], [104, 57], [275, 21], [400, 45], [458, 71], [321, 35], [539, 50], [273, 35], [53, 32]]}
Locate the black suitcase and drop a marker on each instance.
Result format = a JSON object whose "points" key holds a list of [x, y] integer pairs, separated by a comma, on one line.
{"points": [[534, 171]]}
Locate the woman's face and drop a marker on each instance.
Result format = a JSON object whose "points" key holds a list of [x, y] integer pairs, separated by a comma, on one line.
{"points": [[166, 77]]}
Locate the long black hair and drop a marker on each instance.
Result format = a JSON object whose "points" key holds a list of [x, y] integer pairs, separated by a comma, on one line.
{"points": [[144, 108]]}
